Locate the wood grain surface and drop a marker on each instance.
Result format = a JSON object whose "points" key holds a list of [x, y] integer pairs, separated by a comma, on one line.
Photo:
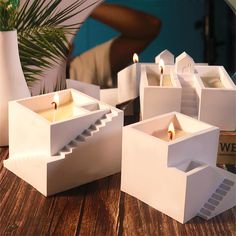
{"points": [[98, 208]]}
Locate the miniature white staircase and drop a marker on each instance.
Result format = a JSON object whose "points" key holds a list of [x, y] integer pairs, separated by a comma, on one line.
{"points": [[189, 100], [87, 134], [210, 207]]}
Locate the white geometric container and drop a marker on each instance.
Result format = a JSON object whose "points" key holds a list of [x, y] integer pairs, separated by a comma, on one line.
{"points": [[217, 93], [56, 151], [204, 92], [178, 177], [156, 99], [128, 81], [12, 81]]}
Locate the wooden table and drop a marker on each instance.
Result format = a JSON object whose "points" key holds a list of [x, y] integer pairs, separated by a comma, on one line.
{"points": [[98, 208]]}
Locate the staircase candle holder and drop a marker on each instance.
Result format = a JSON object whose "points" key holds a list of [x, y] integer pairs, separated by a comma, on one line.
{"points": [[178, 177], [80, 144], [204, 92]]}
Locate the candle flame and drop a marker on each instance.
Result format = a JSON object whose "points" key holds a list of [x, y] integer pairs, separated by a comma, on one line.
{"points": [[135, 58], [56, 101], [161, 64], [171, 131]]}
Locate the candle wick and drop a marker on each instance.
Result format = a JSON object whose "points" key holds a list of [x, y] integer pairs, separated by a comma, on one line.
{"points": [[170, 135], [55, 105], [162, 70]]}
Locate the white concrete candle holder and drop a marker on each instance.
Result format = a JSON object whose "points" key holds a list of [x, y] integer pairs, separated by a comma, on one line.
{"points": [[55, 150], [208, 93], [217, 93], [128, 82], [204, 92], [178, 177], [156, 99]]}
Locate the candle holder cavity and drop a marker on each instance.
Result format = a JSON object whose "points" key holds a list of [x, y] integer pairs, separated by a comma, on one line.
{"points": [[177, 177], [217, 97], [55, 150]]}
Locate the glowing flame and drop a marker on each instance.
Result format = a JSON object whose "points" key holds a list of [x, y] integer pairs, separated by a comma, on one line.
{"points": [[171, 131], [135, 58], [162, 65], [56, 100]]}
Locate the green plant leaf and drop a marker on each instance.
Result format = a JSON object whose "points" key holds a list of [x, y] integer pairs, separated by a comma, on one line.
{"points": [[41, 32]]}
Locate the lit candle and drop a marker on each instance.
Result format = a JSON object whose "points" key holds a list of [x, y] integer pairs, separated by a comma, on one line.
{"points": [[135, 58], [171, 131], [161, 64], [128, 81], [171, 134], [61, 112]]}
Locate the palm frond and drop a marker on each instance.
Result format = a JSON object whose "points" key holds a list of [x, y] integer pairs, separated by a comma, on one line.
{"points": [[42, 31]]}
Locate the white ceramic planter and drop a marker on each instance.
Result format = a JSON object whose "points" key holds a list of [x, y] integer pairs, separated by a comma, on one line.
{"points": [[12, 81], [54, 156], [179, 177]]}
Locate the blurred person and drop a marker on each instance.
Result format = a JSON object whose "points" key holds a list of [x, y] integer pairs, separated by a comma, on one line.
{"points": [[101, 64]]}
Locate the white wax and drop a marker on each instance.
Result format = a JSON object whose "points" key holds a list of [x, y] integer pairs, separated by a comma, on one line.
{"points": [[64, 112]]}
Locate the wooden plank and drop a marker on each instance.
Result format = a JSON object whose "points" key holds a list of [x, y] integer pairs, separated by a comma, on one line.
{"points": [[101, 207], [140, 219], [97, 209], [81, 211]]}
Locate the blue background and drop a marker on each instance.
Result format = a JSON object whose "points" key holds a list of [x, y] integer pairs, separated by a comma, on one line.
{"points": [[178, 32]]}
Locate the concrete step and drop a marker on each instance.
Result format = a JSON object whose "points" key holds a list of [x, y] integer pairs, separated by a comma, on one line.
{"points": [[228, 182], [187, 84], [87, 133], [189, 103], [215, 199], [191, 111]]}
